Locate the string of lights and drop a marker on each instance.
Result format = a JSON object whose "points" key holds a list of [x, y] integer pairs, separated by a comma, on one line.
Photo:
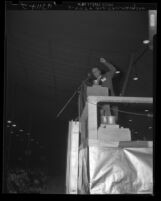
{"points": [[24, 147], [18, 132]]}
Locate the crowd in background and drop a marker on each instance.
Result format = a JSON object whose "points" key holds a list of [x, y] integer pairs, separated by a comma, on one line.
{"points": [[26, 181]]}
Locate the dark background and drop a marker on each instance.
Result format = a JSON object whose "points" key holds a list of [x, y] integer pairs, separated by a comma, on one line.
{"points": [[48, 54]]}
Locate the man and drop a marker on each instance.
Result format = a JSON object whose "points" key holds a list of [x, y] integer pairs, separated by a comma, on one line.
{"points": [[105, 80]]}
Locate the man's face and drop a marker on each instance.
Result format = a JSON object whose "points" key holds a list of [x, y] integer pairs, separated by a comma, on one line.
{"points": [[96, 72]]}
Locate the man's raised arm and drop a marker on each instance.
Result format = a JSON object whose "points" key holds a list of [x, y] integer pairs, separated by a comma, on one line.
{"points": [[111, 68]]}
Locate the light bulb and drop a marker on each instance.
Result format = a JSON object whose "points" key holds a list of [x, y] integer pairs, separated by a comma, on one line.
{"points": [[117, 72], [146, 42], [135, 78]]}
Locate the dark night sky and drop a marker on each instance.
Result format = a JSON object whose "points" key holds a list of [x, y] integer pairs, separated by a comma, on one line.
{"points": [[49, 53]]}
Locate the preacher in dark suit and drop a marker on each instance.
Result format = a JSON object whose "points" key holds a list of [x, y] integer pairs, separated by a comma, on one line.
{"points": [[105, 80]]}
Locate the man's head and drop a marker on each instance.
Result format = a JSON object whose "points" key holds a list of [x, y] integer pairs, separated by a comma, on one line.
{"points": [[96, 72]]}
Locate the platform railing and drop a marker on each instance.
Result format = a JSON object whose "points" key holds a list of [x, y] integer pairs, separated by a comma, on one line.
{"points": [[89, 118]]}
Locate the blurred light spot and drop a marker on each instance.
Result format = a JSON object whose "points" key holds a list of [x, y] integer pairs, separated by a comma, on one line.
{"points": [[152, 20], [117, 72], [135, 78], [150, 115], [146, 42]]}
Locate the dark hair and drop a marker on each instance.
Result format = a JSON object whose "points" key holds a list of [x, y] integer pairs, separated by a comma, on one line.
{"points": [[101, 70]]}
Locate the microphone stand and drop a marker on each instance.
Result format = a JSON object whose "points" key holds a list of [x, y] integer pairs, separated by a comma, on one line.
{"points": [[69, 100]]}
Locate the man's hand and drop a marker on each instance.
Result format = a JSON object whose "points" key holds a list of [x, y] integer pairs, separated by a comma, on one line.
{"points": [[102, 60], [111, 68]]}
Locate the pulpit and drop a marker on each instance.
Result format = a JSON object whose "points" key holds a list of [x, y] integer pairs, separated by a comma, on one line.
{"points": [[89, 120], [108, 162]]}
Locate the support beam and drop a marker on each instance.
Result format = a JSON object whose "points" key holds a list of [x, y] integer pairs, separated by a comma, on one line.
{"points": [[92, 121], [119, 99]]}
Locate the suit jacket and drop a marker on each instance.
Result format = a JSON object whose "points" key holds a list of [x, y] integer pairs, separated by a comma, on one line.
{"points": [[106, 81]]}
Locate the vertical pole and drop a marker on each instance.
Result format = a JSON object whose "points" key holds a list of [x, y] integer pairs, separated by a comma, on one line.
{"points": [[4, 176], [92, 119], [127, 75], [152, 26]]}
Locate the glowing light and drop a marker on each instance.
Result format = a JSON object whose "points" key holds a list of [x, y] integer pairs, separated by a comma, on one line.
{"points": [[21, 130], [135, 78], [146, 42], [14, 125], [146, 110], [152, 20], [130, 120], [117, 72], [150, 115], [9, 121], [150, 127]]}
